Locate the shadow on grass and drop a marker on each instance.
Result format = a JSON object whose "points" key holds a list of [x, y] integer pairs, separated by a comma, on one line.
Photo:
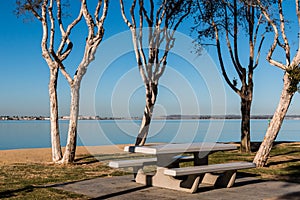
{"points": [[274, 163], [255, 145], [13, 193], [86, 159], [90, 159], [22, 193]]}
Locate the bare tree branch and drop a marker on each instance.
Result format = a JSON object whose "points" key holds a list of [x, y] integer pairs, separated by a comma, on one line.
{"points": [[296, 59], [275, 40], [52, 28], [297, 10], [104, 13], [89, 21], [229, 47], [62, 69], [221, 60], [132, 27], [257, 28], [127, 22], [285, 39], [258, 52], [132, 13], [97, 11], [55, 58], [32, 9], [152, 68], [44, 40], [250, 13], [235, 38], [160, 13], [140, 40], [65, 34]]}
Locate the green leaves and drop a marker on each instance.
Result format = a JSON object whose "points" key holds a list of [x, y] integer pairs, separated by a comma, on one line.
{"points": [[294, 76]]}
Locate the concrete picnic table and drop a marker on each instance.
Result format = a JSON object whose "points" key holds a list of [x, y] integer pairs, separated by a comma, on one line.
{"points": [[169, 174], [166, 153]]}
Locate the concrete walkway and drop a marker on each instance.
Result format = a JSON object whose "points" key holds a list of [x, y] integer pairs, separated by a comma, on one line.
{"points": [[122, 187]]}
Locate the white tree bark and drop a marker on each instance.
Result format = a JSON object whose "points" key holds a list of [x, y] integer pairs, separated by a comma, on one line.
{"points": [[55, 138], [95, 36], [70, 150], [151, 95], [53, 29], [162, 25], [291, 65], [53, 67], [275, 124]]}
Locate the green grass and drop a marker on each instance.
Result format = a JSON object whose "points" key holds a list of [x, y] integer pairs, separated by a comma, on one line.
{"points": [[283, 164], [35, 181]]}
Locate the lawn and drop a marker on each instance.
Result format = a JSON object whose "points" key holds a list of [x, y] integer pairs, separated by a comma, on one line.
{"points": [[35, 180]]}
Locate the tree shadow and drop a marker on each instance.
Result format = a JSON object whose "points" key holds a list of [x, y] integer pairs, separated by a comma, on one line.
{"points": [[255, 145], [292, 171], [90, 159], [12, 193], [119, 193], [245, 179], [286, 153], [290, 196], [274, 163]]}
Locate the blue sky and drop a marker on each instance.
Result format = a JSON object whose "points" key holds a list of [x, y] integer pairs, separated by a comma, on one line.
{"points": [[112, 85]]}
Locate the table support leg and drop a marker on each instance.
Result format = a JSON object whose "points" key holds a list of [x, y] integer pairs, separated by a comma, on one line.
{"points": [[200, 159], [190, 184], [225, 179]]}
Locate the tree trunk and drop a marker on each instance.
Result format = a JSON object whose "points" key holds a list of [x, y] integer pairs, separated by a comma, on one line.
{"points": [[69, 155], [245, 145], [54, 126], [151, 94], [275, 124]]}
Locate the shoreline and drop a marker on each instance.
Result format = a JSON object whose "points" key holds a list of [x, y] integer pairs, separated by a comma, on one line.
{"points": [[169, 117], [43, 155]]}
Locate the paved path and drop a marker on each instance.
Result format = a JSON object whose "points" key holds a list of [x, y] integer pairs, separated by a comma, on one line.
{"points": [[122, 187]]}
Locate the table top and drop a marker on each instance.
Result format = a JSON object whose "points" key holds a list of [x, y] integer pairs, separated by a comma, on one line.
{"points": [[180, 148]]}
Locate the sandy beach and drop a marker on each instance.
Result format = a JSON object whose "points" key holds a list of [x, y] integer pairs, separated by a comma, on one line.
{"points": [[43, 155]]}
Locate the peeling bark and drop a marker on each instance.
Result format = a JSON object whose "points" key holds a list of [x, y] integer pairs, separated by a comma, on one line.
{"points": [[55, 30], [54, 127], [162, 25], [275, 124], [289, 82], [69, 155], [151, 94]]}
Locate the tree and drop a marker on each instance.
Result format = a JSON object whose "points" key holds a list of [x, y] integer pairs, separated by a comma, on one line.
{"points": [[161, 26], [236, 19], [49, 13], [291, 70]]}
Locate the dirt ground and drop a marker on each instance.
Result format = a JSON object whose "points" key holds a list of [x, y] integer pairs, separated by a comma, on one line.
{"points": [[43, 155]]}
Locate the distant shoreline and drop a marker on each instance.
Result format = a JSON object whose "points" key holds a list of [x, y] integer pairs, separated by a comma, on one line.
{"points": [[169, 117]]}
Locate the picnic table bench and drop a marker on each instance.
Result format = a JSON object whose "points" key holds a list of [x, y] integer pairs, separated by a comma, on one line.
{"points": [[170, 175]]}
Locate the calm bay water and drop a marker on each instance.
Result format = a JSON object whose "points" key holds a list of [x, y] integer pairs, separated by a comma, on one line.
{"points": [[35, 134]]}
